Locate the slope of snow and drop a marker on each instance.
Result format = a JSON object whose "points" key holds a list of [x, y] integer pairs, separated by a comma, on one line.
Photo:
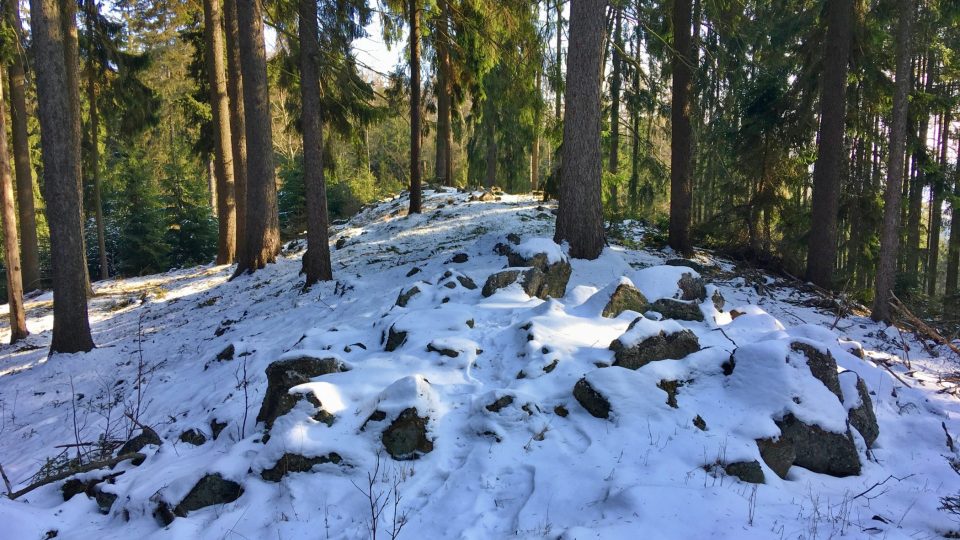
{"points": [[540, 466]]}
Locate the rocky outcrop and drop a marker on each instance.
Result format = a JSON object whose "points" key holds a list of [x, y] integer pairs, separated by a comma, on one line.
{"points": [[861, 416], [778, 454], [680, 310], [136, 444], [625, 297], [293, 463], [746, 471], [210, 490], [283, 375], [407, 295], [193, 436], [662, 346], [810, 447], [406, 438], [541, 278], [692, 288], [394, 339], [822, 365], [591, 400]]}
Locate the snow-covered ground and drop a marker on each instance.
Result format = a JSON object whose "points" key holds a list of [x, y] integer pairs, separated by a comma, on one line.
{"points": [[535, 465]]}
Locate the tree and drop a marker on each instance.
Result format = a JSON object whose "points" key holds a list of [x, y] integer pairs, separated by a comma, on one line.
{"points": [[953, 247], [11, 249], [580, 214], [58, 138], [262, 224], [238, 133], [91, 13], [222, 149], [415, 113], [444, 147], [822, 244], [30, 246], [316, 261], [616, 79], [681, 134], [890, 233]]}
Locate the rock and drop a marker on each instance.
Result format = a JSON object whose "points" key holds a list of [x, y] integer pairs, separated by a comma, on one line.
{"points": [[444, 351], [486, 196], [822, 366], [320, 414], [283, 375], [406, 438], [625, 297], [718, 300], [193, 436], [591, 400], [395, 338], [692, 288], [499, 404], [104, 500], [466, 282], [226, 354], [499, 280], [210, 490], [862, 417], [685, 262], [700, 423], [216, 428], [407, 295], [513, 238], [341, 242], [146, 436], [662, 346], [670, 387], [292, 463], [746, 471], [460, 258], [413, 271], [677, 309], [778, 454], [819, 450], [561, 411]]}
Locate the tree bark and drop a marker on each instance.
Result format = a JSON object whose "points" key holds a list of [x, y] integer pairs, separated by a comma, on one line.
{"points": [[222, 151], [681, 132], [489, 125], [262, 225], [316, 261], [415, 195], [953, 246], [537, 129], [94, 163], [889, 233], [443, 168], [580, 213], [30, 246], [822, 241], [615, 83], [937, 189], [238, 135], [11, 249], [634, 185], [558, 112], [59, 143]]}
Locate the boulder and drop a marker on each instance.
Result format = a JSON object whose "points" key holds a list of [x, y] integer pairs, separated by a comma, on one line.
{"points": [[216, 428], [499, 280], [460, 258], [283, 375], [625, 297], [226, 354], [861, 416], [499, 404], [692, 288], [193, 436], [210, 490], [551, 281], [136, 444], [678, 309], [685, 262], [407, 295], [822, 365], [671, 388], [395, 338], [661, 346], [746, 471], [778, 454], [292, 463], [718, 300], [443, 351], [406, 438], [819, 450], [591, 400]]}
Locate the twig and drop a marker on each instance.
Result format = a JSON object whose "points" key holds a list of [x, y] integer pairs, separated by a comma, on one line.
{"points": [[895, 376], [82, 469], [878, 484]]}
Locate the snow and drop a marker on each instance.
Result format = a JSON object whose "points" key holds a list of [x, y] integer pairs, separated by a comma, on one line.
{"points": [[525, 470]]}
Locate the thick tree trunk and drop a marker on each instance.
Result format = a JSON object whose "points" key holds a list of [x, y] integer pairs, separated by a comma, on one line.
{"points": [[634, 185], [11, 249], [94, 158], [415, 195], [238, 134], [61, 171], [936, 206], [580, 214], [222, 151], [681, 147], [822, 241], [263, 231], [316, 261], [953, 246], [615, 83], [537, 129], [29, 245], [889, 235], [443, 169], [558, 112]]}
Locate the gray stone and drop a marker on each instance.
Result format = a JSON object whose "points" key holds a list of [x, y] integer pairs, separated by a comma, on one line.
{"points": [[406, 438], [193, 436], [443, 351], [678, 309], [692, 288], [778, 454], [407, 295], [671, 388], [822, 366], [591, 400], [226, 354], [662, 346], [216, 428], [625, 297], [136, 444], [395, 339], [283, 375], [746, 471], [499, 404], [499, 280], [293, 463], [862, 417], [210, 490], [819, 450]]}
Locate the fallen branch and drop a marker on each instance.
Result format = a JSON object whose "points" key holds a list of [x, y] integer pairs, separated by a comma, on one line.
{"points": [[82, 469], [895, 376], [878, 484], [919, 325]]}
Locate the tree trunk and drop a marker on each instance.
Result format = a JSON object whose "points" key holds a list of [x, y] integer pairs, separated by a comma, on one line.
{"points": [[822, 241], [443, 169], [262, 226], [615, 83], [490, 173], [94, 157], [316, 261], [537, 129], [30, 246], [415, 195], [222, 151], [238, 134], [559, 71], [889, 234], [11, 249], [634, 185], [936, 206], [61, 171], [953, 247], [681, 132], [580, 213]]}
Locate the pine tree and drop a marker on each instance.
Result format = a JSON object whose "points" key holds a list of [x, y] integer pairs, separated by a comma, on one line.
{"points": [[11, 248], [413, 12], [681, 145]]}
